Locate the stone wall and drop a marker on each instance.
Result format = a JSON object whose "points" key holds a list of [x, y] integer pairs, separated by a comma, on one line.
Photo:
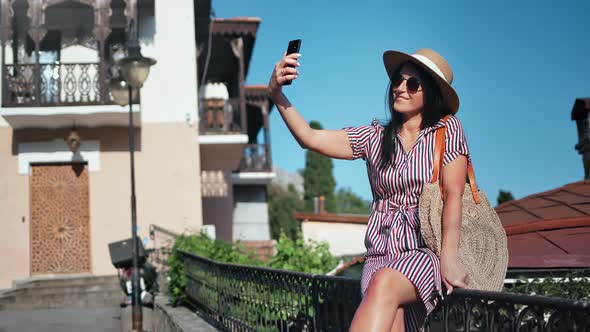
{"points": [[167, 318]]}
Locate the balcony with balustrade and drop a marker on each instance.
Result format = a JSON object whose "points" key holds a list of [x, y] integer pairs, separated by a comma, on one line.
{"points": [[56, 84], [224, 52], [58, 58]]}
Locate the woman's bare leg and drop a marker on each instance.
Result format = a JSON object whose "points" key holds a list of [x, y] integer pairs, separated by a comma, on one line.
{"points": [[387, 291], [398, 323]]}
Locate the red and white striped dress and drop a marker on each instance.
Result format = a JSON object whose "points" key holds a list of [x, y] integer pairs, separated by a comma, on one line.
{"points": [[393, 238]]}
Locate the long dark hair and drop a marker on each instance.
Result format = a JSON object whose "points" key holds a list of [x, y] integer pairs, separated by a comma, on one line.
{"points": [[434, 109]]}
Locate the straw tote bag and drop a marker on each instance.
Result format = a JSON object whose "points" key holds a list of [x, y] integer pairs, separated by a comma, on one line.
{"points": [[483, 250]]}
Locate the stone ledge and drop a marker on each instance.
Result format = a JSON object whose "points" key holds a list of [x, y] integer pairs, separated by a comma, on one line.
{"points": [[167, 318]]}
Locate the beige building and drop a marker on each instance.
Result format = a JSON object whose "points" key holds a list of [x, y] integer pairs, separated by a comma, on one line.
{"points": [[236, 163], [198, 158], [59, 209], [344, 233]]}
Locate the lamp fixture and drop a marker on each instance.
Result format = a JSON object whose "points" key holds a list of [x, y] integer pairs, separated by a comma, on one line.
{"points": [[74, 140]]}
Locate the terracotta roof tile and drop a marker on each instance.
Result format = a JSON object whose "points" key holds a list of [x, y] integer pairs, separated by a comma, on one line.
{"points": [[569, 201], [532, 244], [570, 240], [549, 229], [549, 261], [516, 217]]}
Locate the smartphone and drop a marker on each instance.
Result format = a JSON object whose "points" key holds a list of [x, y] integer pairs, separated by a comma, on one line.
{"points": [[293, 47]]}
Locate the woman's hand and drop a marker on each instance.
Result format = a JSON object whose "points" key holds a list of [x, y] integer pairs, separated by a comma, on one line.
{"points": [[453, 272], [282, 72]]}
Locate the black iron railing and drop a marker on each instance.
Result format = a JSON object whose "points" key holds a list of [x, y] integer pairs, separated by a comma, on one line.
{"points": [[222, 119], [59, 84], [470, 310], [256, 158], [245, 298]]}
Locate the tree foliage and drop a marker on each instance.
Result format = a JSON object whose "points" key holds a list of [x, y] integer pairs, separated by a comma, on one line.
{"points": [[318, 179], [574, 285], [348, 202], [281, 206], [504, 196], [303, 256]]}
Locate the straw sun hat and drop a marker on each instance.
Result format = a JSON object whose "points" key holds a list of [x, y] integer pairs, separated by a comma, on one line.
{"points": [[434, 64]]}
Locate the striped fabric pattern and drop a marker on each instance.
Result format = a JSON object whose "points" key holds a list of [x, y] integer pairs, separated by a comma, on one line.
{"points": [[393, 238]]}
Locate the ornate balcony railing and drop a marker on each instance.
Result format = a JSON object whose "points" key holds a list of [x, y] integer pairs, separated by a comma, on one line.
{"points": [[256, 158], [60, 84], [245, 298], [226, 118]]}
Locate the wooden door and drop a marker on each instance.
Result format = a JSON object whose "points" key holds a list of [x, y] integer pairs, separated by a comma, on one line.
{"points": [[60, 219]]}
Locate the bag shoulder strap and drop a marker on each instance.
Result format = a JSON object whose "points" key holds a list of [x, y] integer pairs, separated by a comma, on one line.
{"points": [[439, 151]]}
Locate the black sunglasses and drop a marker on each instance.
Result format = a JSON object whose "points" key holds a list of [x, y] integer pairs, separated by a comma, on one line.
{"points": [[412, 83]]}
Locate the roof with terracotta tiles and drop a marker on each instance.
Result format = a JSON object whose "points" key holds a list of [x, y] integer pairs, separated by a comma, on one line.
{"points": [[569, 201], [549, 229]]}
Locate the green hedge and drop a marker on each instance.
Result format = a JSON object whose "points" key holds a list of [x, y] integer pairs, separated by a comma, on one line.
{"points": [[292, 255], [573, 285]]}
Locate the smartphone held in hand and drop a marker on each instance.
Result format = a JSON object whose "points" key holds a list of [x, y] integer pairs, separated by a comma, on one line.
{"points": [[293, 47]]}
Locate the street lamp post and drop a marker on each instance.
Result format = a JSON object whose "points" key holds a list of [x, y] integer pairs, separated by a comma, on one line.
{"points": [[134, 70]]}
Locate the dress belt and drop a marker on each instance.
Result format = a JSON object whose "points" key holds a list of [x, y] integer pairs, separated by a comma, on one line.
{"points": [[383, 205]]}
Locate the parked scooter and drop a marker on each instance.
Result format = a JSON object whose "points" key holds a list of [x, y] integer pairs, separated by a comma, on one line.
{"points": [[122, 259]]}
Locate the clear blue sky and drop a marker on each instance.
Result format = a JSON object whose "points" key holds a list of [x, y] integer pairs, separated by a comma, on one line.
{"points": [[518, 69]]}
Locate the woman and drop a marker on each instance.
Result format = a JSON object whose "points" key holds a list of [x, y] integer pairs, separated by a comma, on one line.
{"points": [[399, 271]]}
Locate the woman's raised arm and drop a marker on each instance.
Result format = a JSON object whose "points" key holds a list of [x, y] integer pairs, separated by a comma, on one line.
{"points": [[331, 143]]}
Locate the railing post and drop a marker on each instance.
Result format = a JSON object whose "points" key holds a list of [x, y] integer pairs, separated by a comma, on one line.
{"points": [[445, 310], [60, 83], [3, 72], [37, 76], [103, 92], [540, 313], [467, 315], [4, 81], [218, 291], [267, 158], [314, 302], [237, 46]]}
